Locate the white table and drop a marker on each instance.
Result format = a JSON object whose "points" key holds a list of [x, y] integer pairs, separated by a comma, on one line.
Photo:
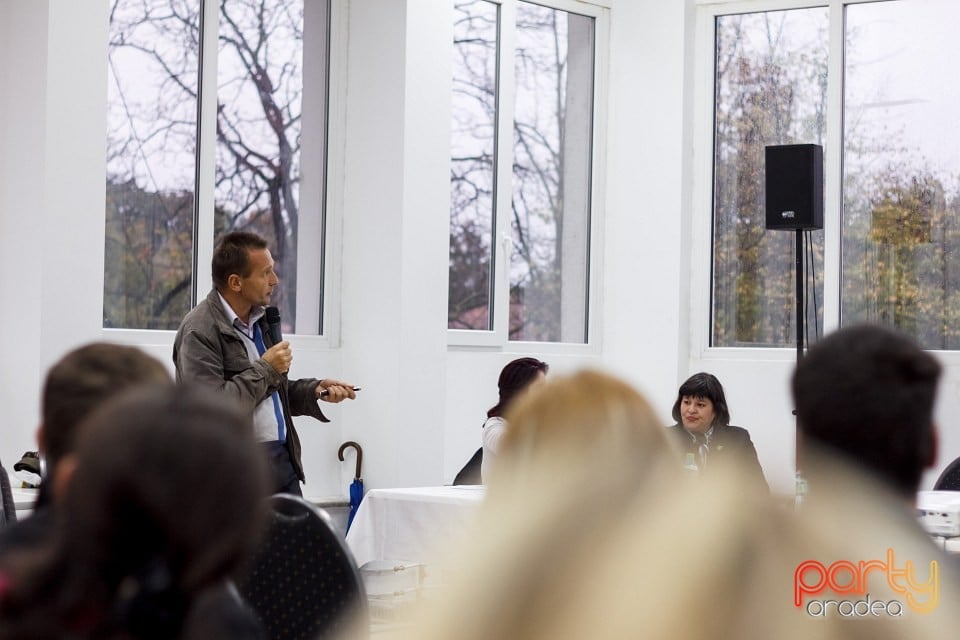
{"points": [[950, 545], [411, 525], [23, 499]]}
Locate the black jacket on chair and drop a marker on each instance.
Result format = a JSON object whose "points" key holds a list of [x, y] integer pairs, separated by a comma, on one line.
{"points": [[470, 474]]}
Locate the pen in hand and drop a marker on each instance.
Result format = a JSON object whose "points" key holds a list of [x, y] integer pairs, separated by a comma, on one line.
{"points": [[325, 392]]}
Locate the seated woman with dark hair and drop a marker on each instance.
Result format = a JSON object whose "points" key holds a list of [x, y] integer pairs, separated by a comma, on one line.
{"points": [[515, 378], [703, 431], [158, 506]]}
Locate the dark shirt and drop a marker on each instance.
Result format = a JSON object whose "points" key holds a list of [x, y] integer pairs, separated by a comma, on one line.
{"points": [[216, 614], [727, 445]]}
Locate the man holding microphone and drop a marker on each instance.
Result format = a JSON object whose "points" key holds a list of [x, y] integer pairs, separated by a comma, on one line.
{"points": [[229, 342]]}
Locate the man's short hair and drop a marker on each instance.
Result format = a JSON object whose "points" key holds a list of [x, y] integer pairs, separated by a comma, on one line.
{"points": [[84, 379], [867, 393], [231, 256]]}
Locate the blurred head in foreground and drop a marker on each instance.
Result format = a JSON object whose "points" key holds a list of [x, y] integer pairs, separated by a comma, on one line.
{"points": [[162, 501], [661, 562], [865, 394], [83, 380], [590, 531], [590, 423]]}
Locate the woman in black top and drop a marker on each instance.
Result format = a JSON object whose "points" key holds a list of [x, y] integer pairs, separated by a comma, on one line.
{"points": [[703, 431]]}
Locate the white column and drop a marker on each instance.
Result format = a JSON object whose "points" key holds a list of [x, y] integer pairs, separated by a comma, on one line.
{"points": [[52, 136], [395, 230]]}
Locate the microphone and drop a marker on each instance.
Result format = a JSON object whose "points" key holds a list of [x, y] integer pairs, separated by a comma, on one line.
{"points": [[273, 324]]}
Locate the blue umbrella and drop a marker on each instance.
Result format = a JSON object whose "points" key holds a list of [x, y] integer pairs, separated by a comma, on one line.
{"points": [[356, 487]]}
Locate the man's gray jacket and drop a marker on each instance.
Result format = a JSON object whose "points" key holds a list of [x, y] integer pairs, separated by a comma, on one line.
{"points": [[207, 351]]}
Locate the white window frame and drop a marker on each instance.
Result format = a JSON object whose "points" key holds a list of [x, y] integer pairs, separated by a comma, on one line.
{"points": [[331, 191], [501, 242], [702, 213]]}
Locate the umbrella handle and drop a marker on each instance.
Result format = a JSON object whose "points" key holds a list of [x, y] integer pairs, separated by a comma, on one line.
{"points": [[351, 443]]}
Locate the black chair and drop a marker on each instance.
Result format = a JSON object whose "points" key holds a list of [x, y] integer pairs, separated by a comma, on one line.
{"points": [[949, 480], [303, 581], [470, 474], [8, 513]]}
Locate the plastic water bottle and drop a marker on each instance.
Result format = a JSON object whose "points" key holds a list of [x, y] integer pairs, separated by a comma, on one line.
{"points": [[800, 490]]}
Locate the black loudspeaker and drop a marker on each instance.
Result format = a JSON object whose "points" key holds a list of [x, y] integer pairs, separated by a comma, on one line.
{"points": [[794, 180]]}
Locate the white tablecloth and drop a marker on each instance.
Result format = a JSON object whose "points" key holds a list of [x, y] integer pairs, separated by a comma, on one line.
{"points": [[24, 499], [411, 525]]}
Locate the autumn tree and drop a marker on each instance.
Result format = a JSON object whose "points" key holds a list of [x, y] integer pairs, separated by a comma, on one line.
{"points": [[549, 205], [472, 166], [770, 91], [154, 66]]}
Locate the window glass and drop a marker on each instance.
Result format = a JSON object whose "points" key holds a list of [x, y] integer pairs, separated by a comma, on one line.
{"points": [[552, 150], [771, 89], [901, 186], [259, 109], [260, 132], [152, 70], [473, 165]]}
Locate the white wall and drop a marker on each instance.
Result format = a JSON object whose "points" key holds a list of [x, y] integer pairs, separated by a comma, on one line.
{"points": [[51, 196], [645, 291], [22, 75], [419, 414], [394, 237]]}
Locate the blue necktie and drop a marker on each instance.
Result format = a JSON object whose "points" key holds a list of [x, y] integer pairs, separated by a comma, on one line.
{"points": [[281, 425]]}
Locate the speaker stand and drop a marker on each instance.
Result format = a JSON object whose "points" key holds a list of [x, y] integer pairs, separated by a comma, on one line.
{"points": [[801, 317], [800, 482]]}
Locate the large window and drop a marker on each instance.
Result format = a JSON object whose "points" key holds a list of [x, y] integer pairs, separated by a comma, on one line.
{"points": [[771, 89], [891, 140], [521, 197], [268, 117], [153, 72], [473, 164], [901, 190]]}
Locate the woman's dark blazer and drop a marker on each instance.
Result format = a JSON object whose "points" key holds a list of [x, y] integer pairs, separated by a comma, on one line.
{"points": [[729, 445]]}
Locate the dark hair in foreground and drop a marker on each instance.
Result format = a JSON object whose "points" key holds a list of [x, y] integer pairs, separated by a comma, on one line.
{"points": [[704, 385], [514, 378], [165, 502], [83, 380], [867, 393], [230, 255]]}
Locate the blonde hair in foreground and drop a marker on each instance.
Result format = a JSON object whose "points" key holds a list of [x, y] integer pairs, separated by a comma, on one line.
{"points": [[586, 422], [616, 543], [685, 564]]}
